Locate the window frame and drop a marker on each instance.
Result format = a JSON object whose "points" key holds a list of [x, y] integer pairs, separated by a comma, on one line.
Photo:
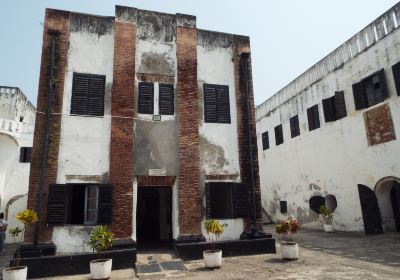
{"points": [[313, 118], [265, 140], [221, 103], [96, 209], [279, 139], [294, 126], [142, 98], [161, 98]]}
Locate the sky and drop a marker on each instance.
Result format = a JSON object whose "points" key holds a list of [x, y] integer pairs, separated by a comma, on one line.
{"points": [[287, 36]]}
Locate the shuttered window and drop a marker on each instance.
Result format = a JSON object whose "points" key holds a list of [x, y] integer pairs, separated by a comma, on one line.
{"points": [[146, 98], [340, 105], [334, 107], [265, 141], [294, 126], [25, 154], [216, 104], [104, 213], [396, 76], [226, 200], [88, 94], [370, 91], [57, 205], [313, 117], [166, 99], [278, 135]]}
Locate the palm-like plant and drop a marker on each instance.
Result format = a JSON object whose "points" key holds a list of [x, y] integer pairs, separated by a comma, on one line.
{"points": [[101, 239]]}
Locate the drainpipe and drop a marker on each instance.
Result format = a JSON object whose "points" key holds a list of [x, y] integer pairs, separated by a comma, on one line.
{"points": [[43, 162]]}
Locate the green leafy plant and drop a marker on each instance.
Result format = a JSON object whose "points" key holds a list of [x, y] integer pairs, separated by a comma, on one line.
{"points": [[101, 239], [27, 217], [287, 228], [214, 230], [327, 214]]}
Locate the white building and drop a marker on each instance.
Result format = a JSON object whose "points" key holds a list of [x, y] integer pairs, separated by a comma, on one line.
{"points": [[17, 117], [331, 136]]}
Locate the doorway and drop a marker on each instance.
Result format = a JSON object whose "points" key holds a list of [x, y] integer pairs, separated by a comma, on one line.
{"points": [[154, 218]]}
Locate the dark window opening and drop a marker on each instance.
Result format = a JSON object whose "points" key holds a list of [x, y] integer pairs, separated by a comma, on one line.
{"points": [[316, 202], [283, 206], [216, 104], [278, 135], [396, 76], [294, 126], [25, 154], [88, 94], [313, 117], [334, 107], [146, 98], [370, 91], [166, 99], [21, 119], [265, 141]]}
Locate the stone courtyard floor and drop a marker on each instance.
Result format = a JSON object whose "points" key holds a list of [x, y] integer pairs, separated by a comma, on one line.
{"points": [[327, 256]]}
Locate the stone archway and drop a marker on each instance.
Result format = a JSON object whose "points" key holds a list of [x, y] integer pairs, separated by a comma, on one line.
{"points": [[387, 192]]}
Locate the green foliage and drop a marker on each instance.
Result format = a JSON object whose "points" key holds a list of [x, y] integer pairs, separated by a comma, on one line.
{"points": [[101, 239], [14, 232], [214, 230], [27, 216], [287, 228], [328, 216]]}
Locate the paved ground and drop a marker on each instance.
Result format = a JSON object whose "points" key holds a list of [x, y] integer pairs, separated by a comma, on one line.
{"points": [[325, 256]]}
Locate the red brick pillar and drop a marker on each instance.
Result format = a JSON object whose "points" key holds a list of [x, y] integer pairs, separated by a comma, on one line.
{"points": [[55, 22], [123, 110], [242, 45], [188, 128]]}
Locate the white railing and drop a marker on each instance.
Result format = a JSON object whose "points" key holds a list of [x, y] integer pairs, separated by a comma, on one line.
{"points": [[378, 29]]}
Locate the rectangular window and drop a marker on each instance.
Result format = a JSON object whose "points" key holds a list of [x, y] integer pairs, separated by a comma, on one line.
{"points": [[396, 76], [88, 94], [79, 204], [294, 126], [283, 206], [25, 154], [227, 200], [370, 91], [166, 99], [313, 117], [146, 98], [334, 107], [278, 135], [216, 104], [265, 141]]}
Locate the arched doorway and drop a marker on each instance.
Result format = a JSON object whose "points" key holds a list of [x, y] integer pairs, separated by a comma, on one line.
{"points": [[370, 210], [387, 192]]}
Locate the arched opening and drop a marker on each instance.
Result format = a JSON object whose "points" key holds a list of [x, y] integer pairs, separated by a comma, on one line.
{"points": [[387, 192], [331, 202]]}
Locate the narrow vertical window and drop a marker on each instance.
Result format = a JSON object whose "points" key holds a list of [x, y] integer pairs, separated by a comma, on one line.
{"points": [[216, 104], [166, 99], [88, 94], [265, 141], [396, 76], [91, 201], [146, 98], [278, 135], [313, 117], [25, 154], [294, 126]]}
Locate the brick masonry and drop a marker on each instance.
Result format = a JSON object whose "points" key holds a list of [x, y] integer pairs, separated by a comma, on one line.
{"points": [[379, 125], [55, 21], [242, 45], [145, 180], [122, 138], [188, 133]]}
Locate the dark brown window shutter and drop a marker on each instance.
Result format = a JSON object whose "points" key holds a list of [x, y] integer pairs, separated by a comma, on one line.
{"points": [[57, 204], [219, 200], [294, 126], [80, 89], [329, 109], [216, 104], [360, 99], [210, 103], [278, 135], [104, 213], [313, 117], [96, 95], [88, 94], [381, 92], [396, 76], [208, 201], [223, 106], [166, 99], [265, 141], [241, 200], [146, 98], [25, 154], [340, 105]]}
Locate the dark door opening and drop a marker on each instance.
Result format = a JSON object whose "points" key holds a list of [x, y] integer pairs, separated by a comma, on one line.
{"points": [[370, 210], [395, 199], [154, 218]]}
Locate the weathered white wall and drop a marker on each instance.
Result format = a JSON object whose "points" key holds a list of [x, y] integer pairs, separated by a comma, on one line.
{"points": [[336, 157], [71, 239], [17, 205], [14, 105]]}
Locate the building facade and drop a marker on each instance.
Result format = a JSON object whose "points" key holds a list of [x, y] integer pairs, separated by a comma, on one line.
{"points": [[17, 118], [331, 137], [148, 132]]}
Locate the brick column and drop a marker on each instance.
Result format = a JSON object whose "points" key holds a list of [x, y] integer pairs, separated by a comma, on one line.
{"points": [[241, 45], [188, 128], [55, 22], [123, 105]]}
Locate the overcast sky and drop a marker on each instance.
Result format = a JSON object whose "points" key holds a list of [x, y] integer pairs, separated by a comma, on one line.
{"points": [[287, 36]]}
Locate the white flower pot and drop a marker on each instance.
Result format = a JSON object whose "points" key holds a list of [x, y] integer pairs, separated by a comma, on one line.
{"points": [[290, 250], [15, 273], [100, 269], [212, 258], [328, 228]]}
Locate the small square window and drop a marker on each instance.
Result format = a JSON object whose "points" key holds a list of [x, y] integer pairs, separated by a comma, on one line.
{"points": [[25, 154]]}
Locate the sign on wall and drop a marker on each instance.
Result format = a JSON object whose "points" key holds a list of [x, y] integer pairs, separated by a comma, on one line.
{"points": [[157, 172]]}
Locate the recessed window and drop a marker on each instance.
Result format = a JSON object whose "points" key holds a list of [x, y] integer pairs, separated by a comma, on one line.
{"points": [[265, 141], [88, 94], [216, 104], [146, 98], [25, 154], [370, 91], [294, 126], [283, 206], [334, 107], [278, 135], [166, 99], [396, 76], [313, 117]]}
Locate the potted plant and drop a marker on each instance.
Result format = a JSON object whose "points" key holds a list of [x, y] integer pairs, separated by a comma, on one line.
{"points": [[289, 248], [213, 257], [17, 272], [328, 218], [100, 240]]}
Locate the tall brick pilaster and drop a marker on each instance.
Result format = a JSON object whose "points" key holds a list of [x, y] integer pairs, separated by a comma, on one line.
{"points": [[242, 45], [188, 128], [56, 22], [123, 110]]}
